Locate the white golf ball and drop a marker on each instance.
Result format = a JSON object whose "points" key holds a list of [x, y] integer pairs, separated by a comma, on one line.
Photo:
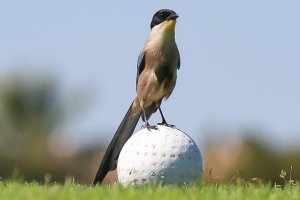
{"points": [[165, 155]]}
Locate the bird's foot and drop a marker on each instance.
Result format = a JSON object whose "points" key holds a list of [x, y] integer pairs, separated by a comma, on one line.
{"points": [[164, 123], [149, 127]]}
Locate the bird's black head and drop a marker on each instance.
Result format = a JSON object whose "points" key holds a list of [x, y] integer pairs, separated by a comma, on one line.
{"points": [[161, 16]]}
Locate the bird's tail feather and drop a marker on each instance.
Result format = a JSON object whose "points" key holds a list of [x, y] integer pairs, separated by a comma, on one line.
{"points": [[125, 130]]}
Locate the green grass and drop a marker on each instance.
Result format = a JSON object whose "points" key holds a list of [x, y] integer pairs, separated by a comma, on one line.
{"points": [[15, 190]]}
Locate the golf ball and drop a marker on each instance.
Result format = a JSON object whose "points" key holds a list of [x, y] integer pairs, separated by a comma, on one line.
{"points": [[165, 155]]}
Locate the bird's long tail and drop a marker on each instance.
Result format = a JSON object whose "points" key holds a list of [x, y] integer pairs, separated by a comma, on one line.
{"points": [[125, 130]]}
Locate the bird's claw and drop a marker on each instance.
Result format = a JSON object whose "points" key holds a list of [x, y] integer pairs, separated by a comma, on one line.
{"points": [[149, 127], [167, 125]]}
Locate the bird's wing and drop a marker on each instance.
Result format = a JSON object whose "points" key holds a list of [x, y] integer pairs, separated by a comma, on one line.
{"points": [[140, 65]]}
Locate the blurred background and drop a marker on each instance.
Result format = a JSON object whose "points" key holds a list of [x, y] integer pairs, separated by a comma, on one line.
{"points": [[67, 78]]}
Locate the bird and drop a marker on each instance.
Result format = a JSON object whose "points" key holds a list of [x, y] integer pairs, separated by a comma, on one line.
{"points": [[157, 67]]}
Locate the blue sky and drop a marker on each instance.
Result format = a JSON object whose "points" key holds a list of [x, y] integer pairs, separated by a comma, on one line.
{"points": [[240, 61]]}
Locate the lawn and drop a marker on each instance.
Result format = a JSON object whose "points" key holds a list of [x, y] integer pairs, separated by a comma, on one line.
{"points": [[16, 190]]}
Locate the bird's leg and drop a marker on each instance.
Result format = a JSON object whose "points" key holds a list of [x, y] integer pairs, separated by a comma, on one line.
{"points": [[147, 125], [164, 122]]}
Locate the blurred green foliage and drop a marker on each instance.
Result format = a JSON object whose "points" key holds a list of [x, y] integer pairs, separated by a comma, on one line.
{"points": [[31, 108], [251, 159]]}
